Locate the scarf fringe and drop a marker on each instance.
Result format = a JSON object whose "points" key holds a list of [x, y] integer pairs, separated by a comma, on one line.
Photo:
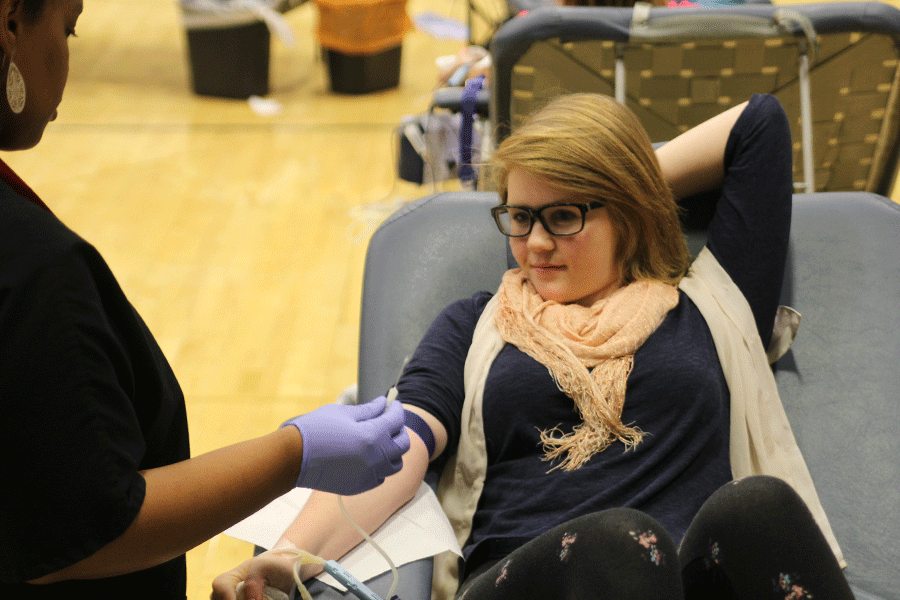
{"points": [[600, 399], [583, 443]]}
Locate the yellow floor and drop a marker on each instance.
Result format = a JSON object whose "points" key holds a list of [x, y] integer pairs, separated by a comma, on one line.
{"points": [[233, 234]]}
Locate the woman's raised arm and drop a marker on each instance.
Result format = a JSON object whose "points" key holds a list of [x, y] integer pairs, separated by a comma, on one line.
{"points": [[693, 162]]}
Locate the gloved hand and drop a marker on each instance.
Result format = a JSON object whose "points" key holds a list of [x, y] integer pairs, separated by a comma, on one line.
{"points": [[351, 449]]}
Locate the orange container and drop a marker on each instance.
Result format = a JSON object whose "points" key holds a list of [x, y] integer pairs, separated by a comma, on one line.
{"points": [[361, 27]]}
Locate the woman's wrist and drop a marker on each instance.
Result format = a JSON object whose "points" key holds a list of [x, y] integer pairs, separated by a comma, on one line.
{"points": [[306, 571], [292, 454]]}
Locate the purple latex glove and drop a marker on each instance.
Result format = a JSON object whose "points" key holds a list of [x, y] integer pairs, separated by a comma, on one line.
{"points": [[351, 449]]}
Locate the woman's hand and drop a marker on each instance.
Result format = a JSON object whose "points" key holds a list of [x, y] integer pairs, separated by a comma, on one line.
{"points": [[273, 568]]}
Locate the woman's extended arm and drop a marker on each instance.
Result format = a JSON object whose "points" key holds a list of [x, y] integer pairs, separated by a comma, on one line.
{"points": [[191, 501], [693, 162], [343, 449], [322, 530]]}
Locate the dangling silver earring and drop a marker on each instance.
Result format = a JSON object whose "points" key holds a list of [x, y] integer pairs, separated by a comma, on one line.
{"points": [[15, 89]]}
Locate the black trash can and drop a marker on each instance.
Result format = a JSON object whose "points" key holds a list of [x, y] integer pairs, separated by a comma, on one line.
{"points": [[231, 61], [352, 74]]}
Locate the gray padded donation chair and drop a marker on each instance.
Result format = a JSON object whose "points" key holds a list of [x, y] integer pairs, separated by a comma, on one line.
{"points": [[840, 382], [833, 66]]}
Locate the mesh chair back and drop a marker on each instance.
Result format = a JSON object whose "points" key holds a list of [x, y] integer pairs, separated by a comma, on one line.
{"points": [[677, 67]]}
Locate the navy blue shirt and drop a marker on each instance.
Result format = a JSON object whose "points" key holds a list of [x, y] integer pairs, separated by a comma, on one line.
{"points": [[676, 392]]}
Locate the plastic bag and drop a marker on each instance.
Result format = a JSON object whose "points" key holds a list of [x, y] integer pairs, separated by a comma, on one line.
{"points": [[213, 14]]}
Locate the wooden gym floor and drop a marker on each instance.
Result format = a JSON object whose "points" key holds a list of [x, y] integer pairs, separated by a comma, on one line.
{"points": [[239, 238]]}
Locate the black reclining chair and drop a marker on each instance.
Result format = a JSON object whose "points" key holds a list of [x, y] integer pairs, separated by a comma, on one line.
{"points": [[840, 382]]}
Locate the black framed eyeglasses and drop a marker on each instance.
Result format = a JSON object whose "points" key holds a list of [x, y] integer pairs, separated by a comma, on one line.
{"points": [[557, 219]]}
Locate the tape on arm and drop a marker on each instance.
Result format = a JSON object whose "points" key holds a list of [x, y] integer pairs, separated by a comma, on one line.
{"points": [[418, 426]]}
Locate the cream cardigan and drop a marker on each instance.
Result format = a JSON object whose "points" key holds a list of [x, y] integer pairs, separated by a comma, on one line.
{"points": [[761, 438]]}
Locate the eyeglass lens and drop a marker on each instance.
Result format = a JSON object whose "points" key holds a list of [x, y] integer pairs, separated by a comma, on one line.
{"points": [[558, 220]]}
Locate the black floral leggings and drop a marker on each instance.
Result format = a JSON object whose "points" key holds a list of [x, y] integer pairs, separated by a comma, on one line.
{"points": [[753, 539]]}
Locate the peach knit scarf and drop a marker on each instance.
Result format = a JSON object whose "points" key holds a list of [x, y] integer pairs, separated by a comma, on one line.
{"points": [[589, 352]]}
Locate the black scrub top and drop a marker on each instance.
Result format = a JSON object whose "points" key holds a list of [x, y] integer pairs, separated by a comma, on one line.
{"points": [[87, 400]]}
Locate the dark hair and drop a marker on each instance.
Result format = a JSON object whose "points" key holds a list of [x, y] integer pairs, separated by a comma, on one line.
{"points": [[33, 8]]}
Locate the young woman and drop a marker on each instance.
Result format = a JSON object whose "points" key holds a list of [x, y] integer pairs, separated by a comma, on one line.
{"points": [[101, 496], [612, 401]]}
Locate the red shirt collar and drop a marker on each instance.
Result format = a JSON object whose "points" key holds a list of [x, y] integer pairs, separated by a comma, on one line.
{"points": [[20, 187]]}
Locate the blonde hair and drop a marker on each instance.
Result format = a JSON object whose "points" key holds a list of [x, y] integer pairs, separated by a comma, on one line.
{"points": [[595, 148]]}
